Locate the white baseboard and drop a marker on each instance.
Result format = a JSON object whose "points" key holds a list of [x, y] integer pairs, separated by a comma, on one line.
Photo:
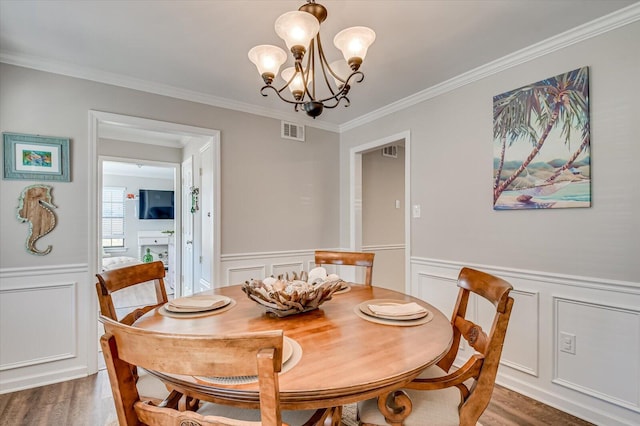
{"points": [[43, 379]]}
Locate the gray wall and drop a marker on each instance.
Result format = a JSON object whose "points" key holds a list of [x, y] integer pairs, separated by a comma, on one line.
{"points": [[451, 171], [276, 194]]}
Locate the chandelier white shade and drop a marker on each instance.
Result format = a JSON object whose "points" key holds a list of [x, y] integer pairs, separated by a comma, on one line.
{"points": [[268, 59], [342, 71], [354, 42], [297, 28], [295, 80], [300, 31]]}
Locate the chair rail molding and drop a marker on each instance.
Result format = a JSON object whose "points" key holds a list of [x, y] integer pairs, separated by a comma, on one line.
{"points": [[384, 247], [6, 273]]}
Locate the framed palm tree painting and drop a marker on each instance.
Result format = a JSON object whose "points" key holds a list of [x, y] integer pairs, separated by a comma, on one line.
{"points": [[541, 144]]}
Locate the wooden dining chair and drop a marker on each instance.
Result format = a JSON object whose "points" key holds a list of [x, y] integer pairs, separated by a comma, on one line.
{"points": [[143, 275], [445, 396], [365, 260], [116, 280], [249, 354]]}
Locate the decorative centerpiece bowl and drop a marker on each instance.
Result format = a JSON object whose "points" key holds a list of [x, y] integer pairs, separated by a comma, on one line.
{"points": [[284, 297]]}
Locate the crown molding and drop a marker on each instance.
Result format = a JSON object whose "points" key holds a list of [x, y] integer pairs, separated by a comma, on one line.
{"points": [[583, 32], [120, 80], [591, 29]]}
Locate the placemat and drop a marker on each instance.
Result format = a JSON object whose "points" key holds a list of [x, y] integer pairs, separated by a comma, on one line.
{"points": [[400, 323], [163, 311], [296, 356]]}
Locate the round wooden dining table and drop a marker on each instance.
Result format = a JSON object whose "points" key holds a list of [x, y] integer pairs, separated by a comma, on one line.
{"points": [[345, 357]]}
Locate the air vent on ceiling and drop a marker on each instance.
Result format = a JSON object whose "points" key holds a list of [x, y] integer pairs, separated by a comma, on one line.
{"points": [[390, 151], [292, 131]]}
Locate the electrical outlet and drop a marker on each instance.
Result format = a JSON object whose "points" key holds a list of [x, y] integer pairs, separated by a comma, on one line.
{"points": [[568, 343]]}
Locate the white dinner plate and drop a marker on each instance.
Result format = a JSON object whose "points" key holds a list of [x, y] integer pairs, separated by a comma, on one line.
{"points": [[364, 308], [287, 350], [202, 303]]}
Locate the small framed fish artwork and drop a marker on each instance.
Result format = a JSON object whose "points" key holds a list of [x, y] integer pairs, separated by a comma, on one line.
{"points": [[34, 157], [541, 144]]}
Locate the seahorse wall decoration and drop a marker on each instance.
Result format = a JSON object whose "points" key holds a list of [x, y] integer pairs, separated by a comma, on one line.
{"points": [[35, 207]]}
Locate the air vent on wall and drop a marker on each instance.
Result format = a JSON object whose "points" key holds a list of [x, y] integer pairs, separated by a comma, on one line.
{"points": [[390, 151], [292, 131]]}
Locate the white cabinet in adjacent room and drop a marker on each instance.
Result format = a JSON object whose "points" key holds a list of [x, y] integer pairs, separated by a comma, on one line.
{"points": [[161, 247]]}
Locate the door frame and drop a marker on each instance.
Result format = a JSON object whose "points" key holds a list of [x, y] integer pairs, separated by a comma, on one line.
{"points": [[355, 195], [101, 118], [187, 223]]}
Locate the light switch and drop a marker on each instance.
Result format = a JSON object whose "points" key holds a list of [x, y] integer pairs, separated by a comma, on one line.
{"points": [[416, 210], [568, 343], [397, 204]]}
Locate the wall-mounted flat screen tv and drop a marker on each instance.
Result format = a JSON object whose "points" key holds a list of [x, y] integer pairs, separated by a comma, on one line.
{"points": [[156, 204]]}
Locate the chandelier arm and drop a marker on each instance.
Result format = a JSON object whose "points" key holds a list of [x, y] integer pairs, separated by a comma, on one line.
{"points": [[323, 63], [312, 58], [338, 100], [358, 74], [345, 88], [293, 76], [310, 71], [337, 97], [277, 92]]}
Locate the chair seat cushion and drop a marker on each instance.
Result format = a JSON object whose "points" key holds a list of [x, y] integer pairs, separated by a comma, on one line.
{"points": [[290, 417], [150, 387], [429, 408], [117, 262]]}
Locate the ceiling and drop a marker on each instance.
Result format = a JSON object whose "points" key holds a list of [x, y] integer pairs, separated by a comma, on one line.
{"points": [[197, 50]]}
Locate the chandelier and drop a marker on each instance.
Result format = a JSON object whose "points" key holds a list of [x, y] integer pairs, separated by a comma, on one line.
{"points": [[300, 31]]}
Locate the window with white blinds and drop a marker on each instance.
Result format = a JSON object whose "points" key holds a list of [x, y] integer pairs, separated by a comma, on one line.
{"points": [[113, 216]]}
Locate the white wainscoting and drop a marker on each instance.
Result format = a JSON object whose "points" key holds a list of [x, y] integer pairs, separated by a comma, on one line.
{"points": [[43, 327], [238, 268], [596, 328], [389, 262], [598, 383]]}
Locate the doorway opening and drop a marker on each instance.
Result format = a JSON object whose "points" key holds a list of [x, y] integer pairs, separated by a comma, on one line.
{"points": [[128, 139], [140, 214], [365, 191]]}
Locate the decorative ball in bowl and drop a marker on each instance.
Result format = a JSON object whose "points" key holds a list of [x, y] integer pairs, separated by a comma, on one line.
{"points": [[283, 297]]}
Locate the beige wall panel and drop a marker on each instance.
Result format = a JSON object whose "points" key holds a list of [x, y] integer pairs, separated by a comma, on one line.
{"points": [[382, 186]]}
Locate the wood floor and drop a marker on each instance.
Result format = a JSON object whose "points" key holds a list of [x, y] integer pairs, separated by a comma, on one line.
{"points": [[88, 402]]}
